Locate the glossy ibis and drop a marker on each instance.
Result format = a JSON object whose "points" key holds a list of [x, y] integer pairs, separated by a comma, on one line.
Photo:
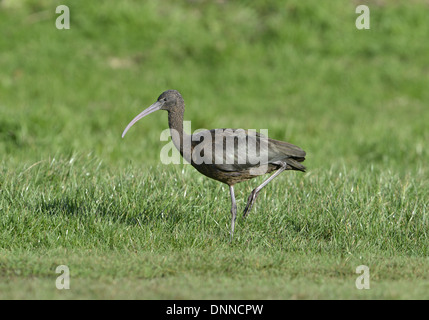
{"points": [[249, 155]]}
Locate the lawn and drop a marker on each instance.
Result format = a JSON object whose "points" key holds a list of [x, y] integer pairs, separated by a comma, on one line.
{"points": [[74, 193]]}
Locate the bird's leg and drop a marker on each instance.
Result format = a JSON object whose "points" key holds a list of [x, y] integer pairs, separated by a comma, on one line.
{"points": [[255, 191], [233, 210]]}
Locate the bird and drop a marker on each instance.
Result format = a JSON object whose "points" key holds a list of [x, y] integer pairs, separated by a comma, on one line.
{"points": [[226, 155]]}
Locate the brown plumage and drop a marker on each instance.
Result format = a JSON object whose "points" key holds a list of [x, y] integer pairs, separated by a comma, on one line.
{"points": [[227, 155]]}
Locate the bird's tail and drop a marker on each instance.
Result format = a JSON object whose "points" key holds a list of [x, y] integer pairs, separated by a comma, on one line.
{"points": [[295, 165]]}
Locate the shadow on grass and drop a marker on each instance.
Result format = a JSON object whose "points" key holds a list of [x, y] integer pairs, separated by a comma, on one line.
{"points": [[110, 210]]}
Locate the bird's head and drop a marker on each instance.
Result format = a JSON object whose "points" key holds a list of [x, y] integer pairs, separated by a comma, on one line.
{"points": [[170, 100]]}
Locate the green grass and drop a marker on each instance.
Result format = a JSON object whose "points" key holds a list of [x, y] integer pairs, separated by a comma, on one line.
{"points": [[72, 192]]}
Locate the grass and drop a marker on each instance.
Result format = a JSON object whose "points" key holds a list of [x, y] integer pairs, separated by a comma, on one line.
{"points": [[72, 192]]}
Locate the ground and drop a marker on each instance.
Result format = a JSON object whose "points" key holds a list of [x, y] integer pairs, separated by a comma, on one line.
{"points": [[73, 193]]}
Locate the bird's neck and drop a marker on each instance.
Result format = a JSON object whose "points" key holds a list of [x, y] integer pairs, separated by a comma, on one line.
{"points": [[181, 140]]}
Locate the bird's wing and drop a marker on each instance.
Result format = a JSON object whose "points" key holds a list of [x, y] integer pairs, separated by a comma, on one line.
{"points": [[235, 150]]}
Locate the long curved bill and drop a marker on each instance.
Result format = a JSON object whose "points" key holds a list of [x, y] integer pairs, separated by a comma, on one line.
{"points": [[155, 107]]}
